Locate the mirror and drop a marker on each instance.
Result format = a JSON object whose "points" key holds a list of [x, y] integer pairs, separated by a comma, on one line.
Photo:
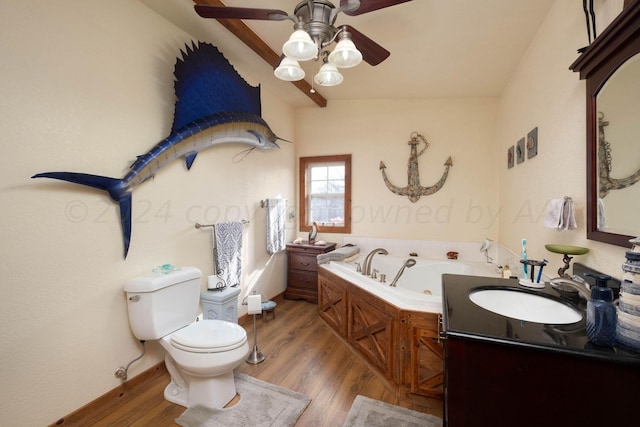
{"points": [[611, 67]]}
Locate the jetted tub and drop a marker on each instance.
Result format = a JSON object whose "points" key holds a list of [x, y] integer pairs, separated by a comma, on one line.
{"points": [[419, 288]]}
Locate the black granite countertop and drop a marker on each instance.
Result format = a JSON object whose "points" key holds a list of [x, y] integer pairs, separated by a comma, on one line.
{"points": [[464, 319]]}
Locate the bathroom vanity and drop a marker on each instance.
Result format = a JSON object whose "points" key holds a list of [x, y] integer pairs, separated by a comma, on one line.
{"points": [[500, 371]]}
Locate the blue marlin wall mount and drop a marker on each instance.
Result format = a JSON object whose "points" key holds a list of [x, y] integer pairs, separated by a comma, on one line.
{"points": [[214, 106]]}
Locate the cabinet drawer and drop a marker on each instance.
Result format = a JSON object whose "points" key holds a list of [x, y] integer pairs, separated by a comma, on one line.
{"points": [[303, 262], [302, 280]]}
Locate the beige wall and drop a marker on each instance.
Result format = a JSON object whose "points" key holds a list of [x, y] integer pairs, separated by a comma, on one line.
{"points": [[86, 86], [543, 92], [373, 131]]}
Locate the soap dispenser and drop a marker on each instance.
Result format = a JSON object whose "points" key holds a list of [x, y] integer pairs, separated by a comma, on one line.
{"points": [[601, 313]]}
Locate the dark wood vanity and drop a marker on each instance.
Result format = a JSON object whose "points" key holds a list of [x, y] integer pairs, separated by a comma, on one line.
{"points": [[501, 371]]}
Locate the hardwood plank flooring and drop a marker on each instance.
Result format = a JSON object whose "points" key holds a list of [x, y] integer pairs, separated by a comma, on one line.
{"points": [[302, 354]]}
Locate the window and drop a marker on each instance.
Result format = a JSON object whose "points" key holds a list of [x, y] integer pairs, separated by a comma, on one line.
{"points": [[325, 193]]}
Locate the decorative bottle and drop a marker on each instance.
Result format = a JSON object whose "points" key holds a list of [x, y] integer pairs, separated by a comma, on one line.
{"points": [[601, 313]]}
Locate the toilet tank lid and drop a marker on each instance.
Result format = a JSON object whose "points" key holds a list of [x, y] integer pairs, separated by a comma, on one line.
{"points": [[153, 281]]}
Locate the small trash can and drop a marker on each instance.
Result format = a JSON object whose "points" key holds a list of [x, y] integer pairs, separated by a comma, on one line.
{"points": [[268, 307], [220, 305]]}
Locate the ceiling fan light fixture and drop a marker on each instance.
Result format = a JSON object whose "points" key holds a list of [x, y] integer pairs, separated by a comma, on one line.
{"points": [[345, 54], [300, 46], [289, 70], [328, 75]]}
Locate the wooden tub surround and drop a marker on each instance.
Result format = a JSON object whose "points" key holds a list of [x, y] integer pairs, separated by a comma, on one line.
{"points": [[401, 346]]}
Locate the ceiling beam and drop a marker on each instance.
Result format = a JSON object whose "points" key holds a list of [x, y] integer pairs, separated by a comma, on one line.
{"points": [[255, 43]]}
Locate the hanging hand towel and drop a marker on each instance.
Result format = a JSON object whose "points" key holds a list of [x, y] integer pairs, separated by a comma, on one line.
{"points": [[554, 213], [227, 238], [568, 219], [275, 225]]}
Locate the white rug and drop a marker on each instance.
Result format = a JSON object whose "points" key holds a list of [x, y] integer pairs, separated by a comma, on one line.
{"points": [[261, 405], [366, 412]]}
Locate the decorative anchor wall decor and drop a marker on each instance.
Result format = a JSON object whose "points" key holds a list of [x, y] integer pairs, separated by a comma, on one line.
{"points": [[607, 183], [413, 189]]}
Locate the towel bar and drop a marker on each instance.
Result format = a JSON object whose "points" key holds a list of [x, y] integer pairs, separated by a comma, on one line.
{"points": [[198, 225]]}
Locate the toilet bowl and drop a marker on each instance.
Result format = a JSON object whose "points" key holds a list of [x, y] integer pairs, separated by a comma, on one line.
{"points": [[201, 358]]}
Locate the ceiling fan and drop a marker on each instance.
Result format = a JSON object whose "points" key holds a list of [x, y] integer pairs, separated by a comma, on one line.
{"points": [[314, 30]]}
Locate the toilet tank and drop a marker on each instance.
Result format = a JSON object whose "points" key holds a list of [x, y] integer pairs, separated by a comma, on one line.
{"points": [[159, 304]]}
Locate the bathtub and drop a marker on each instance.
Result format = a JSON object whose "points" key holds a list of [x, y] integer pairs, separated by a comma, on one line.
{"points": [[419, 288]]}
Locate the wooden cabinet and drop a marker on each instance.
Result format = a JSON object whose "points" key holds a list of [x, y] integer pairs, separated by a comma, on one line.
{"points": [[401, 346], [302, 273], [332, 302], [370, 330]]}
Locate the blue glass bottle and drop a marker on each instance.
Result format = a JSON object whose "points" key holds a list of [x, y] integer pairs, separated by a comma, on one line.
{"points": [[601, 313]]}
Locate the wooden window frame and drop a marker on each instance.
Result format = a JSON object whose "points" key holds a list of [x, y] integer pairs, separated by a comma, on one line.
{"points": [[304, 163]]}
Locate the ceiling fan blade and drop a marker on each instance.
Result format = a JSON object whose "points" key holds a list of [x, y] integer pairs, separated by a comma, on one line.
{"points": [[372, 52], [224, 12], [370, 5]]}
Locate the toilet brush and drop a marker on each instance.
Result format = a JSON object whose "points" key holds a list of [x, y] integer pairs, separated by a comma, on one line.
{"points": [[254, 303]]}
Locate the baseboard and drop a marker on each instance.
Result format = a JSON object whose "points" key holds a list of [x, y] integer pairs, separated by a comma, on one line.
{"points": [[114, 397], [119, 394]]}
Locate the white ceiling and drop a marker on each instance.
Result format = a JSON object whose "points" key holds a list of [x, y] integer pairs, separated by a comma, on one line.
{"points": [[439, 48]]}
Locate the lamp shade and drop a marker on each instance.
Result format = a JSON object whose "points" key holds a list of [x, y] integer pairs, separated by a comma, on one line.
{"points": [[328, 75], [289, 70], [300, 46], [345, 55]]}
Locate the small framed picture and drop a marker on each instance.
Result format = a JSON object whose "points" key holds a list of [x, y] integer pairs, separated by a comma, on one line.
{"points": [[520, 151], [532, 143], [510, 157]]}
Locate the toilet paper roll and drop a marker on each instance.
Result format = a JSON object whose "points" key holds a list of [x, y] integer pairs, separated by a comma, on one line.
{"points": [[214, 282], [254, 302]]}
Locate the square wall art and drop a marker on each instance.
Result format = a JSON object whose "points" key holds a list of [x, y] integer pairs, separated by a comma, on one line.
{"points": [[510, 156], [520, 151], [532, 143]]}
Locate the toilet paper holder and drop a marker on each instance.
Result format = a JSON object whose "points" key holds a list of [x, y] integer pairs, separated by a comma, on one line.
{"points": [[255, 356]]}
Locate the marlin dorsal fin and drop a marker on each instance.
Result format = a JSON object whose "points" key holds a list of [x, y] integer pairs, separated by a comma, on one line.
{"points": [[190, 158]]}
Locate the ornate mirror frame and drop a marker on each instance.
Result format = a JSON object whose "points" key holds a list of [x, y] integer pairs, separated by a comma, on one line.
{"points": [[619, 42]]}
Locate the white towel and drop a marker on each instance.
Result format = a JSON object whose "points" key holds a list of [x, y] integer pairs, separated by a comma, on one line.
{"points": [[554, 213], [560, 214], [338, 254], [227, 240], [275, 209], [568, 219], [602, 218]]}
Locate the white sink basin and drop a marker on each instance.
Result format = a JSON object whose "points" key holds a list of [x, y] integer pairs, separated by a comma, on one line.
{"points": [[525, 306]]}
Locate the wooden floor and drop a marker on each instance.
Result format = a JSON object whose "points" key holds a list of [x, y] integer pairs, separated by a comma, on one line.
{"points": [[302, 354]]}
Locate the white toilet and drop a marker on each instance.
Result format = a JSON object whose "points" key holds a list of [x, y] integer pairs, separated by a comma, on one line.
{"points": [[200, 356]]}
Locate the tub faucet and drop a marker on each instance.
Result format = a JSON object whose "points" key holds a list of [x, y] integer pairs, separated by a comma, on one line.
{"points": [[366, 265], [408, 263]]}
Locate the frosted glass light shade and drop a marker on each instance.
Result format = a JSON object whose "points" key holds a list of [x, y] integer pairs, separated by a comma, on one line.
{"points": [[345, 55], [300, 46], [289, 70], [328, 75]]}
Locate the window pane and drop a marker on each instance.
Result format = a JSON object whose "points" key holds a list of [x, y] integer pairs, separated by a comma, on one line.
{"points": [[318, 187], [318, 172], [325, 190]]}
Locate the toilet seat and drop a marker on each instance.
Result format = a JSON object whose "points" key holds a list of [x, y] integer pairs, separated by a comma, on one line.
{"points": [[209, 336]]}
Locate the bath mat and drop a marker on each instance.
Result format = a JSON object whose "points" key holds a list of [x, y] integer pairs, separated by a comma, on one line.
{"points": [[373, 413], [261, 404]]}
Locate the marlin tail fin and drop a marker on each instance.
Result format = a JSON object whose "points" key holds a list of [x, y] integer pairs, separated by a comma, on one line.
{"points": [[116, 189]]}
